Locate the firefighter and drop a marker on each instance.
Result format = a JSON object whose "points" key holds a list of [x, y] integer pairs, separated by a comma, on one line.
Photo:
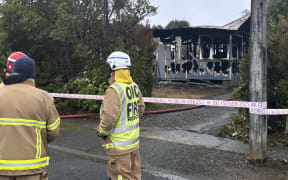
{"points": [[28, 122], [119, 125], [11, 60], [10, 63]]}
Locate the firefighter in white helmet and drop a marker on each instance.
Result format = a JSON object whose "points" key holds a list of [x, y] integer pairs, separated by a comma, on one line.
{"points": [[119, 125]]}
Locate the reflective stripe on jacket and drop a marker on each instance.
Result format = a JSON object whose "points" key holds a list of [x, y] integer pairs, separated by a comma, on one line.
{"points": [[28, 121], [125, 134]]}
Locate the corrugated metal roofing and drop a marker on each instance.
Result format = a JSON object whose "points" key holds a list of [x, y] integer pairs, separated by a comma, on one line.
{"points": [[235, 25]]}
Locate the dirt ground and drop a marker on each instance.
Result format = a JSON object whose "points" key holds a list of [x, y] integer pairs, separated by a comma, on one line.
{"points": [[181, 90]]}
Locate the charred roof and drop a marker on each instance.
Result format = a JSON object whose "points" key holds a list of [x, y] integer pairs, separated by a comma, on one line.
{"points": [[239, 26]]}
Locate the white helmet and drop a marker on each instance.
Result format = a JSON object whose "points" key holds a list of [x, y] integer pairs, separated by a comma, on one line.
{"points": [[118, 60]]}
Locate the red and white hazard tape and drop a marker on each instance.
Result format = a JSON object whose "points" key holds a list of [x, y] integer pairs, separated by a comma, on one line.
{"points": [[77, 96], [206, 102], [268, 111], [254, 107]]}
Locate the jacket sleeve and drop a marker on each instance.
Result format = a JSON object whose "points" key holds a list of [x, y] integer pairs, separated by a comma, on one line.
{"points": [[53, 121], [141, 104], [111, 110]]}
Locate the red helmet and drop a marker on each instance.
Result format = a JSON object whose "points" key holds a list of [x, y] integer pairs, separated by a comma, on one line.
{"points": [[12, 58]]}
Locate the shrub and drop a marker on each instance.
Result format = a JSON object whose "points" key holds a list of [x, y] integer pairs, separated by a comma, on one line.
{"points": [[81, 86]]}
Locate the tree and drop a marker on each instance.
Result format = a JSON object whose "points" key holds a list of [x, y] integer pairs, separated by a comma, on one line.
{"points": [[276, 69], [245, 12], [159, 26], [277, 8], [278, 65], [177, 24], [71, 39]]}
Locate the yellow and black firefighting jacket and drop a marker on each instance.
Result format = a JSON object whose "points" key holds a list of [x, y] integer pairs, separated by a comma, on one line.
{"points": [[28, 121]]}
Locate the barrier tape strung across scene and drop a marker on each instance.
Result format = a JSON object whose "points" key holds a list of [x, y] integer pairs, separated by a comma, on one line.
{"points": [[254, 107], [77, 96]]}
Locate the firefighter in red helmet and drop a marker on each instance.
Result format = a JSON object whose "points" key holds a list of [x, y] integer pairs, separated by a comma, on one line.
{"points": [[11, 60], [28, 121], [10, 63]]}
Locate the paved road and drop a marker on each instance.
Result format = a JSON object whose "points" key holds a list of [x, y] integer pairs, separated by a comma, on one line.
{"points": [[67, 167], [166, 153]]}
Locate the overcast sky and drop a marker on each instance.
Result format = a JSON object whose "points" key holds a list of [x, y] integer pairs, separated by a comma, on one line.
{"points": [[198, 12]]}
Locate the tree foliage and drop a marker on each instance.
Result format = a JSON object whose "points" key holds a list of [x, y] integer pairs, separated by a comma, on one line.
{"points": [[71, 39], [277, 66], [245, 12], [177, 24], [159, 26], [276, 8]]}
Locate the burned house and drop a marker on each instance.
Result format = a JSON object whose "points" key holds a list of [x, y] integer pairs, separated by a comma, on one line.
{"points": [[201, 52]]}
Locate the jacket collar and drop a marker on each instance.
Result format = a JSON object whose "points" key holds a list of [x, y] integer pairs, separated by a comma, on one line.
{"points": [[121, 76], [30, 82]]}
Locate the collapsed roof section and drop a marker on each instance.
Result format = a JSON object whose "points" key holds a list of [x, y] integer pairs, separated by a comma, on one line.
{"points": [[239, 26]]}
